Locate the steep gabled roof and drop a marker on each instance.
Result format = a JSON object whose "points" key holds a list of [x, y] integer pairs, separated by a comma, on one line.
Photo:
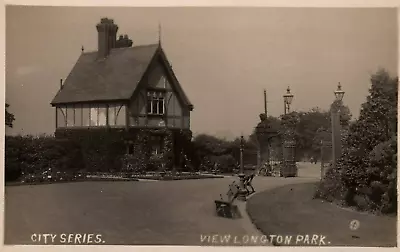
{"points": [[111, 79], [177, 85]]}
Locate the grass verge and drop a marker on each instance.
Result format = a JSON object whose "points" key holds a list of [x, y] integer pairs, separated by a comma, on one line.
{"points": [[292, 212]]}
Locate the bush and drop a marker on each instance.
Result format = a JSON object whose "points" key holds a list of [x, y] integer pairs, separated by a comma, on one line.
{"points": [[226, 163], [35, 155], [383, 175], [156, 163], [133, 164], [367, 169], [12, 153], [362, 202], [332, 187], [102, 151]]}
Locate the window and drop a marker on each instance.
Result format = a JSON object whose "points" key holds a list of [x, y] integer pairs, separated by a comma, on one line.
{"points": [[155, 103], [98, 115], [69, 114], [78, 115], [94, 116], [85, 116], [116, 114], [163, 82], [102, 115], [156, 144]]}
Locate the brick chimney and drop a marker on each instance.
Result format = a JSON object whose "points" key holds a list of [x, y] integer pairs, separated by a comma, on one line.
{"points": [[107, 36], [123, 41]]}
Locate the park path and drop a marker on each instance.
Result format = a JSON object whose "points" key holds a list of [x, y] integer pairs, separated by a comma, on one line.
{"points": [[129, 213]]}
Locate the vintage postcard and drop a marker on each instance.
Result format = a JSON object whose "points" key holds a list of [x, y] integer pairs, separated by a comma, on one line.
{"points": [[201, 126]]}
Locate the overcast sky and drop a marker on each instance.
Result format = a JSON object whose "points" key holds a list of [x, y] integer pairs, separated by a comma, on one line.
{"points": [[223, 57]]}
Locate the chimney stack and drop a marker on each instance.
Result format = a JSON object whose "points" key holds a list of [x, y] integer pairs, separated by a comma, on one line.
{"points": [[107, 35], [123, 41]]}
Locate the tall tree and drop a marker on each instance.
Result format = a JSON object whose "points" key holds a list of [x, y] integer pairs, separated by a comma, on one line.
{"points": [[9, 118], [368, 165]]}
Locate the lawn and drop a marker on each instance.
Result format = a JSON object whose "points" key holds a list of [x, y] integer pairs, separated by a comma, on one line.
{"points": [[291, 211], [128, 213]]}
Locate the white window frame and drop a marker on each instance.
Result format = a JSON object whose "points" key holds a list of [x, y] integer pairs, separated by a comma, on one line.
{"points": [[157, 97]]}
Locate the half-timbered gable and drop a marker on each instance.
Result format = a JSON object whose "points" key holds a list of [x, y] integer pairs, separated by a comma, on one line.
{"points": [[158, 101]]}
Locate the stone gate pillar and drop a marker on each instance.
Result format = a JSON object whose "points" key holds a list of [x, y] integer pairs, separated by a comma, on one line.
{"points": [[289, 168], [326, 156], [264, 134]]}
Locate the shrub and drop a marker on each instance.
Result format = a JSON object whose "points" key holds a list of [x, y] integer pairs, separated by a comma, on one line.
{"points": [[34, 155], [102, 151], [13, 146], [383, 175], [131, 163], [362, 202], [367, 169], [156, 163], [332, 187], [226, 163]]}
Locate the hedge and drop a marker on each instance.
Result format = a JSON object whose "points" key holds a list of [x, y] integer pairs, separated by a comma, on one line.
{"points": [[89, 151], [101, 151], [35, 155]]}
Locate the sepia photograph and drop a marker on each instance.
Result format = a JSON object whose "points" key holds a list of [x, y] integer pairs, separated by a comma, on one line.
{"points": [[201, 126]]}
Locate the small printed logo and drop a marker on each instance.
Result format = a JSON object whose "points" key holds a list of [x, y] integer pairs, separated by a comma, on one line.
{"points": [[354, 225]]}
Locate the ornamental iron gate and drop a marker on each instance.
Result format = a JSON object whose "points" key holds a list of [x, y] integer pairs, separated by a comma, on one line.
{"points": [[277, 156], [274, 160], [277, 150]]}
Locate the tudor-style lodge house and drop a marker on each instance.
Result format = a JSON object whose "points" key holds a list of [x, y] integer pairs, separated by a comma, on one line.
{"points": [[127, 90]]}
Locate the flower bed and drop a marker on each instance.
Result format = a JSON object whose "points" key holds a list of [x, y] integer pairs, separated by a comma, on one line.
{"points": [[174, 176], [49, 177], [63, 177]]}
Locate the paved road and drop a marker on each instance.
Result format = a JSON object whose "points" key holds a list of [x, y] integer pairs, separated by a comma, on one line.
{"points": [[145, 212]]}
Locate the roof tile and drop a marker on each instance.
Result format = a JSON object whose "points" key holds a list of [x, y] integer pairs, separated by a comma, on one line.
{"points": [[113, 78]]}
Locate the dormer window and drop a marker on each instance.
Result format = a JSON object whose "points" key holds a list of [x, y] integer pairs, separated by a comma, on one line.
{"points": [[155, 103]]}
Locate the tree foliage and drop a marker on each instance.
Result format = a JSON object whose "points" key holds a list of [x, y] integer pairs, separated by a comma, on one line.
{"points": [[310, 128], [367, 169], [214, 152], [208, 148], [9, 118]]}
